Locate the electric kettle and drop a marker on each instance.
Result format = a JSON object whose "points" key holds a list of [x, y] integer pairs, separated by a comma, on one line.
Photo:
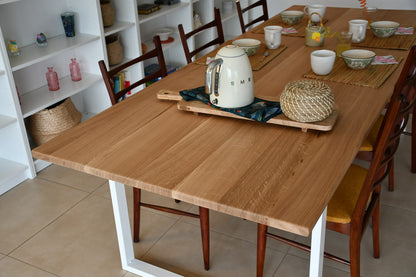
{"points": [[229, 79]]}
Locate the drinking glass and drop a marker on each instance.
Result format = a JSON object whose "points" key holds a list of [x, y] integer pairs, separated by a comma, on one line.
{"points": [[69, 24], [343, 42]]}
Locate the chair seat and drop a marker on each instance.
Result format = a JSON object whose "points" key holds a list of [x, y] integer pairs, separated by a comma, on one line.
{"points": [[370, 141], [342, 204]]}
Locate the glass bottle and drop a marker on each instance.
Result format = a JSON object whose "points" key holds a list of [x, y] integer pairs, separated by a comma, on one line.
{"points": [[75, 70], [52, 78]]}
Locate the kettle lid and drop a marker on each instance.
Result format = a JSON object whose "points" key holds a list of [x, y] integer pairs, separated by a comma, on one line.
{"points": [[230, 51]]}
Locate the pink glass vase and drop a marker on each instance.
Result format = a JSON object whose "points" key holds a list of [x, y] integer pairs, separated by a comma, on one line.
{"points": [[75, 70], [52, 78]]}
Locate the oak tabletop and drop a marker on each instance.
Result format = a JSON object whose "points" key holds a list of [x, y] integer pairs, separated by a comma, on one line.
{"points": [[274, 175]]}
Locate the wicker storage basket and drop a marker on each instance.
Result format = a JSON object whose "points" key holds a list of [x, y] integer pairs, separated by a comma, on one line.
{"points": [[107, 12], [307, 100], [48, 123], [114, 50]]}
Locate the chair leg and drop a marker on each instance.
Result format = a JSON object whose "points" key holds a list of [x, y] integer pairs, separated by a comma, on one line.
{"points": [[261, 248], [355, 242], [204, 219], [391, 175], [413, 145], [136, 214], [376, 230]]}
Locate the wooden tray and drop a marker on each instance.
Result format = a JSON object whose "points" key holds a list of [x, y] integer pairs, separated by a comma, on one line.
{"points": [[199, 107]]}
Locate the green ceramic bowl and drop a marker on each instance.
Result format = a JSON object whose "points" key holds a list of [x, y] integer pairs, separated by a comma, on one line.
{"points": [[249, 45], [291, 17], [358, 58], [384, 29]]}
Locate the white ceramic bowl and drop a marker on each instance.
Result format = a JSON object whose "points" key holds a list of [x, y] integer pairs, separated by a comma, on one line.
{"points": [[249, 45], [384, 29], [163, 33], [358, 58], [291, 17]]}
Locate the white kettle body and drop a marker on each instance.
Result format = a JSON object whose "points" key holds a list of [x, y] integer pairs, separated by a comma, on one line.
{"points": [[229, 78]]}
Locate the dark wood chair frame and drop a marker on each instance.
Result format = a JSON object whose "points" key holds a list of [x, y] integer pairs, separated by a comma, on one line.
{"points": [[107, 76], [216, 23], [401, 104], [368, 156], [240, 11]]}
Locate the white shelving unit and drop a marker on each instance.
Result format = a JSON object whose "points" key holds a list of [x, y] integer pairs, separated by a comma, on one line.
{"points": [[15, 159], [26, 73]]}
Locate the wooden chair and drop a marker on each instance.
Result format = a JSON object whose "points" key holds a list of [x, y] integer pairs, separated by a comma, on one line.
{"points": [[216, 23], [366, 151], [115, 97], [264, 17], [357, 198]]}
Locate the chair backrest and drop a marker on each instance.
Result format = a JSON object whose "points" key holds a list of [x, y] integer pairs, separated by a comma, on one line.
{"points": [[395, 120], [264, 17], [219, 40], [108, 75]]}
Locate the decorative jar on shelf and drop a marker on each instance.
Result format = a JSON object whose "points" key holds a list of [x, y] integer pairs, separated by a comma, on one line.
{"points": [[107, 12], [75, 70], [114, 49], [52, 78]]}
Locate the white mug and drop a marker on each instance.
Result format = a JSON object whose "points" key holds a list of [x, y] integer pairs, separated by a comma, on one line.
{"points": [[273, 36], [315, 8], [358, 27], [322, 61]]}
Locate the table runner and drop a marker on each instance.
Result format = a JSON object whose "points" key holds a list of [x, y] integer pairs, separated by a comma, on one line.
{"points": [[397, 42], [256, 60], [373, 76], [260, 110]]}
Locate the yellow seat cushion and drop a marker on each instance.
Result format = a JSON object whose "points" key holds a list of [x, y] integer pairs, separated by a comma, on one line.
{"points": [[342, 204], [370, 141]]}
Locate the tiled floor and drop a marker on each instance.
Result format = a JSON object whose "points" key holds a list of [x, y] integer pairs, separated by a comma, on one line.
{"points": [[61, 224]]}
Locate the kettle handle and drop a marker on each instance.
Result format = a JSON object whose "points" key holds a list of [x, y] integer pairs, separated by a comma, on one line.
{"points": [[212, 75]]}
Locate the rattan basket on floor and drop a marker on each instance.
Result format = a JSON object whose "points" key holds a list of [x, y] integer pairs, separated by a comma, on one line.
{"points": [[48, 123], [307, 100]]}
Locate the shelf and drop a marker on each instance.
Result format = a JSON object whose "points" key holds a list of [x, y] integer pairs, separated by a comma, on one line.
{"points": [[6, 120], [11, 174], [165, 46], [163, 11], [227, 16], [32, 54], [118, 26], [41, 98]]}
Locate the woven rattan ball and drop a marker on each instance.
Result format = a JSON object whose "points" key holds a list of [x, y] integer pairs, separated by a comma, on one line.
{"points": [[307, 100]]}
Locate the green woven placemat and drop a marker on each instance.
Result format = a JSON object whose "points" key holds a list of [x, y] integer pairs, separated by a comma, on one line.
{"points": [[397, 42], [300, 27], [257, 62], [373, 76]]}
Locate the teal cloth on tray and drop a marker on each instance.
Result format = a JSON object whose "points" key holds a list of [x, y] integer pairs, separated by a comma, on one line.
{"points": [[259, 110]]}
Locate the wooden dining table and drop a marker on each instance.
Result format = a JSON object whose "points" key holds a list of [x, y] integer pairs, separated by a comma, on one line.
{"points": [[266, 173]]}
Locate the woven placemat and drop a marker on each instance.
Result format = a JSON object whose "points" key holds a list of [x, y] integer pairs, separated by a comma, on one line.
{"points": [[397, 42], [256, 60], [373, 76], [300, 27]]}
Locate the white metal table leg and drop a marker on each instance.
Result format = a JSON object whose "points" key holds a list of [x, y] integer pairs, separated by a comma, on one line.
{"points": [[125, 242], [317, 247]]}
